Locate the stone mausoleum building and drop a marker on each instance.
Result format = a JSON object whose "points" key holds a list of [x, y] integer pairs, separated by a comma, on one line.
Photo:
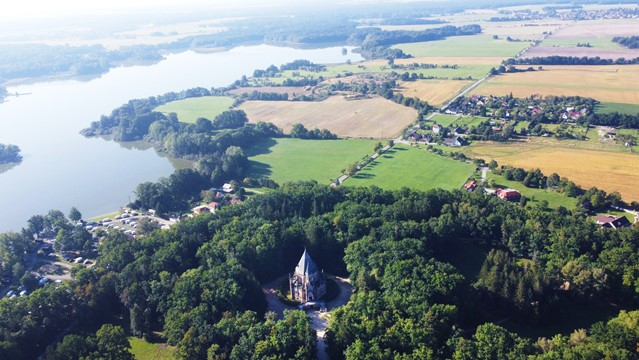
{"points": [[307, 282]]}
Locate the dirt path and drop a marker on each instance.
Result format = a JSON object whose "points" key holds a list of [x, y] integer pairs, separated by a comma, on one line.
{"points": [[319, 320]]}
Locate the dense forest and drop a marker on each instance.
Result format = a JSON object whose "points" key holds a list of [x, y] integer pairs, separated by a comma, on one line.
{"points": [[631, 42], [9, 154], [199, 281]]}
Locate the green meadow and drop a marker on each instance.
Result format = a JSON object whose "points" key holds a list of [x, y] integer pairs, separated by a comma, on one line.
{"points": [[285, 159], [456, 120], [554, 198], [189, 110], [607, 108], [464, 46], [415, 168], [144, 350], [597, 43]]}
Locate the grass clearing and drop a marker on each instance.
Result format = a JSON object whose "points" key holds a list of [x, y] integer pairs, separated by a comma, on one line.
{"points": [[368, 118], [435, 92], [598, 43], [285, 159], [534, 196], [189, 110], [610, 171], [608, 107], [419, 169], [445, 119], [611, 83], [144, 350], [464, 46]]}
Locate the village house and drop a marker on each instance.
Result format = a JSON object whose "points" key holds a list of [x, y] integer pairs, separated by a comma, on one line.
{"points": [[508, 194], [611, 221], [455, 141], [307, 282], [471, 186], [202, 209], [437, 128]]}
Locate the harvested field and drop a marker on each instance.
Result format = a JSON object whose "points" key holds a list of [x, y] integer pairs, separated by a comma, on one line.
{"points": [[272, 89], [375, 117], [598, 29], [609, 171], [610, 83], [435, 92]]}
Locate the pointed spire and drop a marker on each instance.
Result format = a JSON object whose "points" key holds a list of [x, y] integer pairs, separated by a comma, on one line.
{"points": [[306, 265]]}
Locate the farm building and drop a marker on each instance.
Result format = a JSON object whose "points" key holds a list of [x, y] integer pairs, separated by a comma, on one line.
{"points": [[201, 209], [307, 282], [508, 194], [611, 221], [471, 185]]}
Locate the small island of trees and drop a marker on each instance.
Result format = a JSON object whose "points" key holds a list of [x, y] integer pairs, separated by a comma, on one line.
{"points": [[9, 154]]}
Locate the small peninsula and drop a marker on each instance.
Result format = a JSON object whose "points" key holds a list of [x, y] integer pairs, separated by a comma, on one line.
{"points": [[9, 154]]}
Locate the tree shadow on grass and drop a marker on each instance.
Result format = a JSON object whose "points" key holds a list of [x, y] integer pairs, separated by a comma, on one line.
{"points": [[261, 147], [363, 176], [259, 170]]}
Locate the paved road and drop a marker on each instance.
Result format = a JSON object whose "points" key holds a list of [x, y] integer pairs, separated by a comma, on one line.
{"points": [[319, 320]]}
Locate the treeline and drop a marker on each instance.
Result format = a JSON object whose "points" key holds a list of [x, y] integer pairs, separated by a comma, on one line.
{"points": [[569, 60], [631, 42], [301, 132], [36, 60], [131, 121], [273, 70], [9, 154], [375, 43], [264, 96]]}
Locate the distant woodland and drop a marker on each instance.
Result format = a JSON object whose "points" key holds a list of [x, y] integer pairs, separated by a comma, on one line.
{"points": [[631, 42]]}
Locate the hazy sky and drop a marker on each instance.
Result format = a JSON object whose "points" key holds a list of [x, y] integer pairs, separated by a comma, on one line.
{"points": [[30, 9]]}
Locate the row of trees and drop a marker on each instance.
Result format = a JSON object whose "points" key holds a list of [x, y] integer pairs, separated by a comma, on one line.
{"points": [[301, 132], [569, 60], [631, 42]]}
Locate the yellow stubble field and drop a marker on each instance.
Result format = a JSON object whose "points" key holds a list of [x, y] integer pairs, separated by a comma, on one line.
{"points": [[435, 92], [607, 83], [375, 117], [610, 171]]}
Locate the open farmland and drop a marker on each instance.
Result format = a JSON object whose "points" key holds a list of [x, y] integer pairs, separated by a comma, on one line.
{"points": [[606, 108], [609, 171], [405, 166], [610, 83], [189, 110], [598, 33], [465, 46], [290, 90], [368, 118], [472, 67], [435, 92], [285, 159]]}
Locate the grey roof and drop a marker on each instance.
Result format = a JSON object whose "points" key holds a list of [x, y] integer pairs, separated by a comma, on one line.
{"points": [[306, 265]]}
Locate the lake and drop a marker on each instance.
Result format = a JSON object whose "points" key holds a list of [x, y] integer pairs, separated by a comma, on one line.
{"points": [[62, 169]]}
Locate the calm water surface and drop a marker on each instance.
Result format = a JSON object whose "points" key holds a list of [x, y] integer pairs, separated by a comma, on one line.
{"points": [[62, 169]]}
